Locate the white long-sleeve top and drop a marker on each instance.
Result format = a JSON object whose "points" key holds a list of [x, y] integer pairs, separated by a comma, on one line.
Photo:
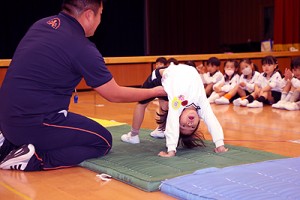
{"points": [[216, 78], [275, 81], [295, 82], [230, 84], [185, 88], [249, 82]]}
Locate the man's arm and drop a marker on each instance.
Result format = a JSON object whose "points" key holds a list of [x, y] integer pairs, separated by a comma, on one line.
{"points": [[112, 92]]}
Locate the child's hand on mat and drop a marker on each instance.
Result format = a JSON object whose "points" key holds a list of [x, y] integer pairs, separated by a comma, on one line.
{"points": [[167, 154], [221, 149]]}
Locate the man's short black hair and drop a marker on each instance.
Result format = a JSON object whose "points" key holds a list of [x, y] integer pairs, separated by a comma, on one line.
{"points": [[76, 7]]}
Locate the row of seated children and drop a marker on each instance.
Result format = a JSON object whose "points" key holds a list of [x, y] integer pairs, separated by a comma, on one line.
{"points": [[243, 85]]}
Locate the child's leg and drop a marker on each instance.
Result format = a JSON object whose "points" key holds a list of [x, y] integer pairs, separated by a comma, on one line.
{"points": [[273, 97], [258, 103], [294, 94], [285, 91], [209, 89], [163, 107], [241, 93], [161, 119], [138, 117], [254, 95], [232, 92]]}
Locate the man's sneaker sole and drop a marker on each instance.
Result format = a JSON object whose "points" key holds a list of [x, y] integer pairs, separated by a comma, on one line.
{"points": [[18, 159]]}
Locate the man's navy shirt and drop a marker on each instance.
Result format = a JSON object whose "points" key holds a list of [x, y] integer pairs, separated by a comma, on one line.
{"points": [[49, 62]]}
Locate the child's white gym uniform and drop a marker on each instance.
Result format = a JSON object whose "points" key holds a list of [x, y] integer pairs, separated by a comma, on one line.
{"points": [[185, 88], [250, 83], [275, 81]]}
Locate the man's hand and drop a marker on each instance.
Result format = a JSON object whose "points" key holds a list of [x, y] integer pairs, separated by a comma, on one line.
{"points": [[167, 154], [159, 90], [221, 149]]}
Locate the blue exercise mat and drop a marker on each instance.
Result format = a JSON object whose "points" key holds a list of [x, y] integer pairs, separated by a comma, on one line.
{"points": [[275, 179]]}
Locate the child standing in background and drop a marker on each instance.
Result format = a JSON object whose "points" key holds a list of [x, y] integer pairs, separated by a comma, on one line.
{"points": [[268, 85], [139, 112], [231, 79], [160, 62], [291, 83], [212, 75]]}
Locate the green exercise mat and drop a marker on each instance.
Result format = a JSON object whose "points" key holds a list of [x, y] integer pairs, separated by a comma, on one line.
{"points": [[139, 165]]}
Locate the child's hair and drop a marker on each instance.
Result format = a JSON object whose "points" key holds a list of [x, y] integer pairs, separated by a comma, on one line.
{"points": [[214, 61], [236, 65], [270, 60], [249, 62], [295, 63], [190, 63], [196, 139], [162, 60], [173, 60]]}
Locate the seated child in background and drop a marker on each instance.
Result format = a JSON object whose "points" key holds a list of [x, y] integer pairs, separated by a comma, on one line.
{"points": [[247, 81], [268, 85], [212, 75], [153, 80], [160, 62], [180, 116], [231, 79], [190, 63], [291, 87]]}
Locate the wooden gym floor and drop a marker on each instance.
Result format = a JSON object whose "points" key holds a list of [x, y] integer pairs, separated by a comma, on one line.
{"points": [[265, 129]]}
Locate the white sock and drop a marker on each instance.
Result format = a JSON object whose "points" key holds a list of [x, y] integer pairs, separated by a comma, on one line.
{"points": [[294, 96], [134, 132], [283, 96], [288, 96]]}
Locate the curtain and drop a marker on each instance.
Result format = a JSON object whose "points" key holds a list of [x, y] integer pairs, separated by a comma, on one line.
{"points": [[286, 25]]}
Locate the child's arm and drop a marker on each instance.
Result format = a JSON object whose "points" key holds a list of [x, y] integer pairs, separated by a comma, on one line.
{"points": [[167, 154], [221, 149], [251, 85], [172, 127], [213, 125], [275, 82], [235, 80], [220, 81]]}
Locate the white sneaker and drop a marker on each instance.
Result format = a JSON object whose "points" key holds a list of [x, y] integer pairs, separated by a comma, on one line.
{"points": [[244, 102], [222, 100], [157, 133], [255, 104], [1, 138], [237, 102], [130, 139], [18, 159], [291, 106], [280, 104], [213, 97]]}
